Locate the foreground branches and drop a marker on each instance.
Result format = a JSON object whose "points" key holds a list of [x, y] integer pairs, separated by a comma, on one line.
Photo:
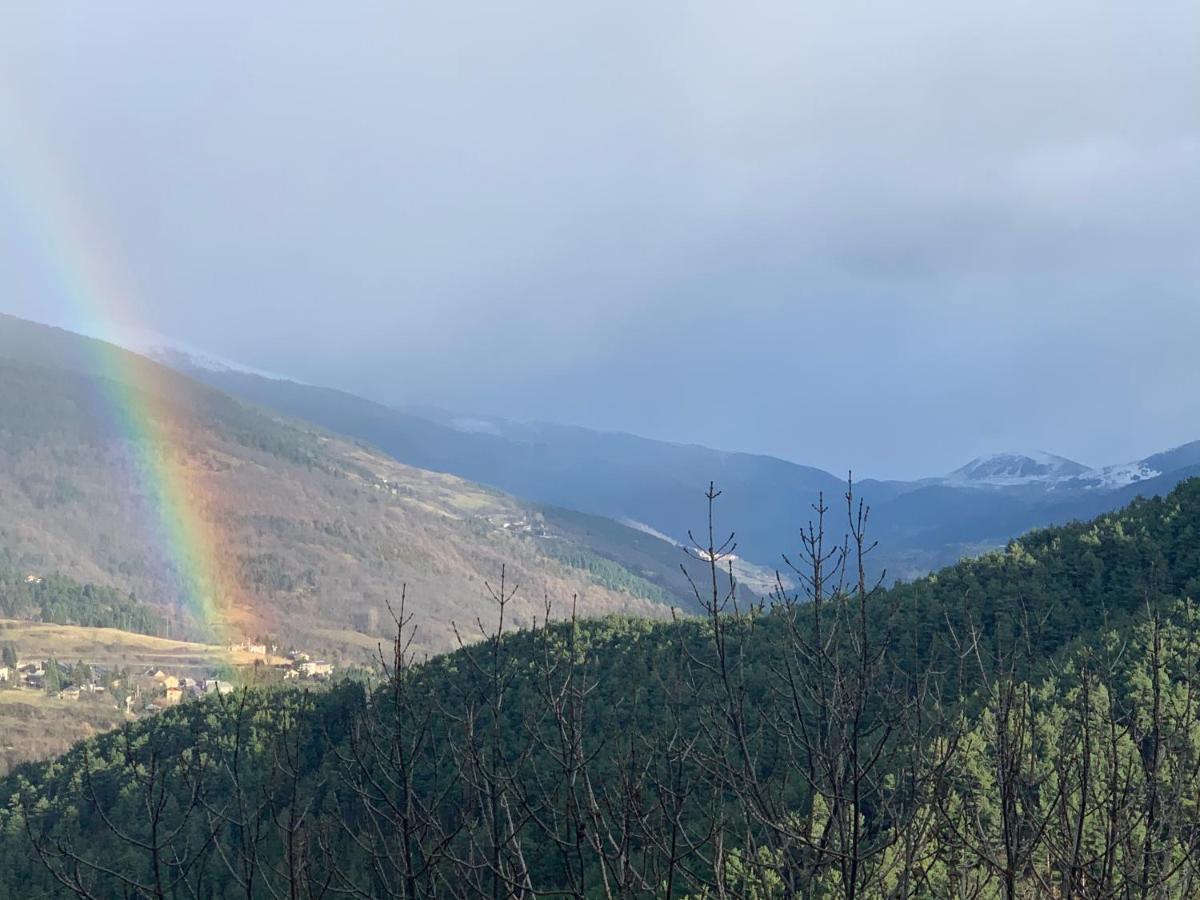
{"points": [[833, 740]]}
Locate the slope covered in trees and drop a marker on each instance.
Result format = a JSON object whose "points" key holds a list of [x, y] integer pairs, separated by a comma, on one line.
{"points": [[1022, 725], [63, 601]]}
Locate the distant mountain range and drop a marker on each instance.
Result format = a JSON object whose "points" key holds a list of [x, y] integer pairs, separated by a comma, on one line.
{"points": [[658, 486]]}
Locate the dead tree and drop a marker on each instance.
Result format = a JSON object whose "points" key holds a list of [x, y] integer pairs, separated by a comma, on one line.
{"points": [[169, 852], [489, 861], [1007, 845], [396, 776], [299, 873], [843, 712]]}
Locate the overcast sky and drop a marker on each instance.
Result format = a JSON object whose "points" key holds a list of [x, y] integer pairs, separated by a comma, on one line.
{"points": [[883, 236]]}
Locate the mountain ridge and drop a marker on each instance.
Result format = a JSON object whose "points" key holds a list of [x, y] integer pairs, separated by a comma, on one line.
{"points": [[922, 524]]}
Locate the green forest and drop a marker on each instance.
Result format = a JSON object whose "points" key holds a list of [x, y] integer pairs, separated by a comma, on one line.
{"points": [[1025, 724], [63, 601]]}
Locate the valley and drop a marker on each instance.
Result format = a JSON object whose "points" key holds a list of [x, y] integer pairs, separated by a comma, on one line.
{"points": [[622, 451], [323, 525]]}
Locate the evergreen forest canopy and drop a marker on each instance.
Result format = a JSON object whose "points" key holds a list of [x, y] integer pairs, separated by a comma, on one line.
{"points": [[1024, 724], [61, 600]]}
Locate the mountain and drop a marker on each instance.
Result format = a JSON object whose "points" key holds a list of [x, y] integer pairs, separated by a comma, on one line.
{"points": [[722, 755], [1056, 474], [1186, 456], [921, 524], [313, 533], [1003, 469], [645, 483]]}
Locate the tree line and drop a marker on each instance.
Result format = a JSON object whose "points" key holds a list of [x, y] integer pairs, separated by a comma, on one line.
{"points": [[1024, 725], [60, 600]]}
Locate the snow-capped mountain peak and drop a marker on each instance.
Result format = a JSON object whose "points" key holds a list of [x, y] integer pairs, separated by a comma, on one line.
{"points": [[1013, 468]]}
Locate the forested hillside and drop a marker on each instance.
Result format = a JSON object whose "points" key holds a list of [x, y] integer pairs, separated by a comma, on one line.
{"points": [[64, 601], [313, 533], [1026, 724]]}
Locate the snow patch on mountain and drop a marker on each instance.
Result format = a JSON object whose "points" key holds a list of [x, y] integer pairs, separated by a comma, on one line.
{"points": [[475, 425], [647, 529], [1119, 476], [182, 359]]}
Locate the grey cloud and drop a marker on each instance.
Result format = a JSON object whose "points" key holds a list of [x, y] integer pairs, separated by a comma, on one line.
{"points": [[658, 217]]}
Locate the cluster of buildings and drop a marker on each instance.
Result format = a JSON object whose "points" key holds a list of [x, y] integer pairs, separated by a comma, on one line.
{"points": [[301, 665], [160, 689], [150, 689], [147, 691], [256, 647], [391, 487], [165, 689], [534, 527], [298, 665], [69, 681]]}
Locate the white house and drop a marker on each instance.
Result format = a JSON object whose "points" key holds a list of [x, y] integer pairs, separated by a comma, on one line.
{"points": [[316, 668]]}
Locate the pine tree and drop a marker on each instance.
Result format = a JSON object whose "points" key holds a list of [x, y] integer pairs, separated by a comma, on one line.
{"points": [[53, 680]]}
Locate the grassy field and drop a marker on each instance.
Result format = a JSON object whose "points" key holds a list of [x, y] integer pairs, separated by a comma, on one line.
{"points": [[111, 647], [34, 725]]}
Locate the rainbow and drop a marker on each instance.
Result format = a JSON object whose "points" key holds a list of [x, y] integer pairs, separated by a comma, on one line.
{"points": [[133, 393]]}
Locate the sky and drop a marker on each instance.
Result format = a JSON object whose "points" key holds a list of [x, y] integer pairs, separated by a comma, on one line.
{"points": [[887, 237]]}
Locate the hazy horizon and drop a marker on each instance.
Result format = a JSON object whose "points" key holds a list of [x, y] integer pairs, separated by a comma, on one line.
{"points": [[835, 234], [151, 343]]}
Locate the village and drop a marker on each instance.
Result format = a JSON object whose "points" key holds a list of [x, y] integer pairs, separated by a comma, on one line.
{"points": [[150, 689]]}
